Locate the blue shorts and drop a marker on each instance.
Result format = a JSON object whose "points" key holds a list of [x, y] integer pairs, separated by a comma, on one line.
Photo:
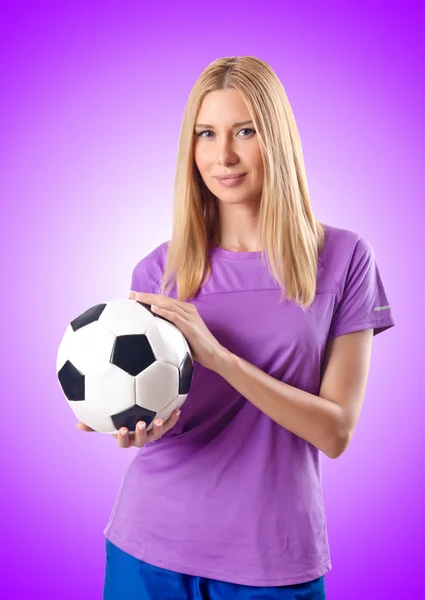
{"points": [[128, 578]]}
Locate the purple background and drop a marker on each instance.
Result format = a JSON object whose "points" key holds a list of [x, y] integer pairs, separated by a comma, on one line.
{"points": [[92, 100]]}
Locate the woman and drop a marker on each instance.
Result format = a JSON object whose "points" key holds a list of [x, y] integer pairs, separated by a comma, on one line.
{"points": [[279, 311]]}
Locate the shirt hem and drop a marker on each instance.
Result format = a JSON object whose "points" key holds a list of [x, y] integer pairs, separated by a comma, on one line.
{"points": [[371, 324], [150, 558]]}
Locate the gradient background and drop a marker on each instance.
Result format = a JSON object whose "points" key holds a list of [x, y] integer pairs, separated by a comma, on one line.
{"points": [[91, 104]]}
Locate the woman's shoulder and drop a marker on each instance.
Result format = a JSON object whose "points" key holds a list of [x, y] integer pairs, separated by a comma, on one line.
{"points": [[341, 249], [156, 256], [337, 236], [340, 244], [148, 271]]}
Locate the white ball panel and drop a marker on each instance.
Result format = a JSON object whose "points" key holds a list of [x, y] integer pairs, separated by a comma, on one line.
{"points": [[167, 341], [91, 347], [64, 347], [165, 413], [126, 317], [109, 389], [156, 386], [91, 417]]}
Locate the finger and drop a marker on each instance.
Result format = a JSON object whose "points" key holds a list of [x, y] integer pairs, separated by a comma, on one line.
{"points": [[83, 427], [182, 308], [171, 313], [123, 438], [157, 430], [140, 435], [165, 302], [176, 318], [171, 421]]}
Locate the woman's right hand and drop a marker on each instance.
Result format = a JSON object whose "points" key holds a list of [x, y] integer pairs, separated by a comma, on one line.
{"points": [[141, 436]]}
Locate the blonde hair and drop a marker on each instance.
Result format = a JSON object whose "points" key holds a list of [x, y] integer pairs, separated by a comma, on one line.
{"points": [[290, 236]]}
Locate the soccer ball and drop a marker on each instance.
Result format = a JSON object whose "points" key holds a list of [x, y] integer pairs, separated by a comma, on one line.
{"points": [[119, 363]]}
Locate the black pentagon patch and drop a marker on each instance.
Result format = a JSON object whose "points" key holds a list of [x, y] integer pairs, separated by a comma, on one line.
{"points": [[72, 381], [148, 307], [130, 417], [132, 353], [185, 374], [89, 316]]}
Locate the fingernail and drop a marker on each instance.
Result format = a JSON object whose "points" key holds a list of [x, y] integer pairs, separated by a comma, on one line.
{"points": [[178, 413], [158, 422], [141, 426], [123, 432]]}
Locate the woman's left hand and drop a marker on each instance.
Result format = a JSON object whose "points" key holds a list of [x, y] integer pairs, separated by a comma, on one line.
{"points": [[203, 345]]}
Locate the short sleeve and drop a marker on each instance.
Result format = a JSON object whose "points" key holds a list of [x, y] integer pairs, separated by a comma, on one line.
{"points": [[147, 274], [363, 302]]}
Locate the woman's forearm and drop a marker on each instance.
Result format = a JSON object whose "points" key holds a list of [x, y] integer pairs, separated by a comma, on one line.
{"points": [[311, 417]]}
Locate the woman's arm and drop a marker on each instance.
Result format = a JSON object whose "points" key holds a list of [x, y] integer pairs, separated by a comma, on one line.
{"points": [[328, 420]]}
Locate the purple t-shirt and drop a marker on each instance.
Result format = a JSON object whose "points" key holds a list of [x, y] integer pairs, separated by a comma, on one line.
{"points": [[228, 493]]}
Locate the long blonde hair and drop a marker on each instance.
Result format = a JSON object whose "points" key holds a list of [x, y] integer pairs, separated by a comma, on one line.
{"points": [[289, 234]]}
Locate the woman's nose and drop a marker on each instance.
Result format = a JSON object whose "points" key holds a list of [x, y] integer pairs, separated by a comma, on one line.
{"points": [[225, 152]]}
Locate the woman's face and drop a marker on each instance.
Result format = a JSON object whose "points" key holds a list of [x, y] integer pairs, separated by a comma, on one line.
{"points": [[227, 144]]}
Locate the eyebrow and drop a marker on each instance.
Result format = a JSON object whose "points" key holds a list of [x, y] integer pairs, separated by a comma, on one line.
{"points": [[234, 125]]}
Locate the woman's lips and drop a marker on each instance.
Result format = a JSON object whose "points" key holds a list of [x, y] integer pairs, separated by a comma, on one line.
{"points": [[231, 181]]}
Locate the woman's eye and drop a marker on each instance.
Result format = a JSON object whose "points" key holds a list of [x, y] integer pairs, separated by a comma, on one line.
{"points": [[245, 129], [201, 133]]}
